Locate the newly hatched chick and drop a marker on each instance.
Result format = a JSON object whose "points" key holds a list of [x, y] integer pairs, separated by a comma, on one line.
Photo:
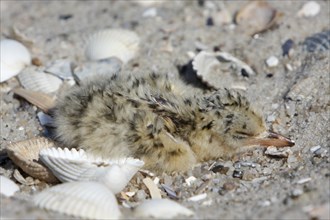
{"points": [[159, 121]]}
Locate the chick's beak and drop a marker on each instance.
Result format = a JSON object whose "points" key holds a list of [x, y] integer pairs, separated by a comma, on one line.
{"points": [[270, 138]]}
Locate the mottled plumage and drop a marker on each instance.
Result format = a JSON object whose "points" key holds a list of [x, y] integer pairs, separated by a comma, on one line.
{"points": [[158, 120]]}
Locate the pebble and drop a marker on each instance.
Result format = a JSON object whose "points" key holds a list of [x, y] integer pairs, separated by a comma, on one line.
{"points": [[238, 174], [190, 180], [140, 195], [309, 9], [287, 47], [273, 151], [315, 148], [197, 197], [219, 168], [271, 118], [229, 186], [297, 192], [272, 61], [151, 12]]}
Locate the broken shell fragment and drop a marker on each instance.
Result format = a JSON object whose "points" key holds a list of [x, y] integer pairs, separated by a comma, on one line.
{"points": [[39, 99], [318, 42], [7, 186], [119, 43], [257, 16], [89, 200], [72, 165], [309, 9], [161, 208], [109, 66], [25, 154], [39, 81], [14, 58]]}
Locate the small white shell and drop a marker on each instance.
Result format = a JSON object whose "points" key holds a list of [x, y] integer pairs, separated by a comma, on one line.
{"points": [[14, 57], [119, 43], [161, 208], [72, 165], [90, 200], [7, 186], [309, 9], [39, 81]]}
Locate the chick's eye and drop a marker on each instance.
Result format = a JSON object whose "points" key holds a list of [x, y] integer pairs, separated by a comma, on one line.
{"points": [[243, 134]]}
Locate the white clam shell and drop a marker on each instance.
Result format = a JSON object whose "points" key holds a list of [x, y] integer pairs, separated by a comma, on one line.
{"points": [[161, 208], [14, 57], [119, 43], [7, 186], [309, 9], [72, 165], [39, 81], [89, 200]]}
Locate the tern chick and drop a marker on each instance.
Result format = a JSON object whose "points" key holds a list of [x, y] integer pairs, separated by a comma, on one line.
{"points": [[160, 121]]}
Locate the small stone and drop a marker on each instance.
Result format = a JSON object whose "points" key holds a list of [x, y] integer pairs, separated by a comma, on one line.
{"points": [[140, 195], [219, 168], [229, 186], [267, 171], [250, 175], [151, 12], [304, 180], [287, 47], [296, 193], [190, 180], [272, 61], [315, 148], [238, 174], [273, 151]]}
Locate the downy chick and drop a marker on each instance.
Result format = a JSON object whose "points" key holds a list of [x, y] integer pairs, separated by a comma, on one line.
{"points": [[159, 121]]}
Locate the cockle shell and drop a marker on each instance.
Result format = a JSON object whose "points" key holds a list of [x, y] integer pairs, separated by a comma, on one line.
{"points": [[25, 154], [162, 209], [89, 200], [72, 165], [39, 81], [210, 65], [7, 186], [119, 43], [14, 57]]}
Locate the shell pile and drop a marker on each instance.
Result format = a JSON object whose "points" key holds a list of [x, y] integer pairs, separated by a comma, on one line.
{"points": [[119, 43], [14, 57]]}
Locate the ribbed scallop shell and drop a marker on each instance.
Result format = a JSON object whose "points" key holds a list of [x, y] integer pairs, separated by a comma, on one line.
{"points": [[89, 200], [36, 80], [161, 208], [14, 57], [119, 43], [25, 154], [72, 165], [7, 186]]}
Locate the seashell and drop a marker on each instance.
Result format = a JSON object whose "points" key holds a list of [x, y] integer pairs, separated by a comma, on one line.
{"points": [[208, 65], [72, 165], [109, 66], [309, 9], [257, 16], [152, 187], [7, 186], [14, 58], [25, 154], [89, 200], [39, 81], [119, 43], [39, 99], [61, 69], [161, 208], [318, 42]]}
